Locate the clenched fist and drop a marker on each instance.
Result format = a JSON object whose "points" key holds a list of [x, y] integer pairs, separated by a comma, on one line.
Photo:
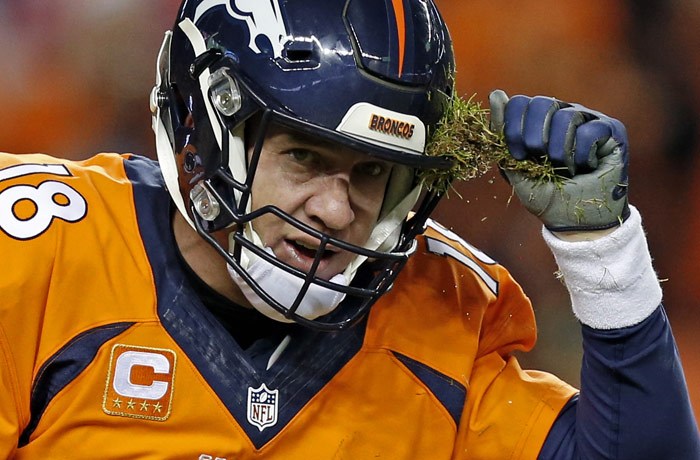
{"points": [[590, 149]]}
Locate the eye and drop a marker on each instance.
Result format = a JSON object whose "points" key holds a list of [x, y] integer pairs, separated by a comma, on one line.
{"points": [[373, 168], [302, 155]]}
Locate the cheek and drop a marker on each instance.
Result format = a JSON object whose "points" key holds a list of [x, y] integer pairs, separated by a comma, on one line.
{"points": [[368, 199], [367, 208], [277, 190], [274, 185]]}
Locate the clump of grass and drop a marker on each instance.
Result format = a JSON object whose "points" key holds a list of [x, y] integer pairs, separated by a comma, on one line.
{"points": [[465, 137]]}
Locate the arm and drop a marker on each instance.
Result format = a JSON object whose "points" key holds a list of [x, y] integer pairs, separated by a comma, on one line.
{"points": [[634, 401]]}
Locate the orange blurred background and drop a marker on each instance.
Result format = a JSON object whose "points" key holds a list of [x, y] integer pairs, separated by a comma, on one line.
{"points": [[76, 76]]}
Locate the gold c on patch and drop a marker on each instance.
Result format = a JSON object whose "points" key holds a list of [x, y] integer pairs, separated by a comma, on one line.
{"points": [[140, 382]]}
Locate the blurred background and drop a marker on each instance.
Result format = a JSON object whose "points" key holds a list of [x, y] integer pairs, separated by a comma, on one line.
{"points": [[76, 76]]}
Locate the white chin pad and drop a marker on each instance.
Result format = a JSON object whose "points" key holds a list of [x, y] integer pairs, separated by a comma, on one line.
{"points": [[284, 287]]}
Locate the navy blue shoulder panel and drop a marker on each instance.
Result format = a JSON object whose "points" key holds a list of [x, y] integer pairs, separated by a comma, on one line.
{"points": [[144, 173], [63, 367], [308, 363], [448, 391]]}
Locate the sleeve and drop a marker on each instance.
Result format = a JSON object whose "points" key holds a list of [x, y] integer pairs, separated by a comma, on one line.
{"points": [[634, 401]]}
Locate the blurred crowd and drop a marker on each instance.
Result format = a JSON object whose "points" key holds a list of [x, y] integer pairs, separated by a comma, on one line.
{"points": [[76, 76]]}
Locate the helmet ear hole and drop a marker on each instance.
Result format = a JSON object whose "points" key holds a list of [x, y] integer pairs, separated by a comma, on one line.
{"points": [[191, 161], [298, 55]]}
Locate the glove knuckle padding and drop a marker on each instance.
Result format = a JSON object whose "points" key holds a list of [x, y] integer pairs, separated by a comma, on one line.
{"points": [[537, 122], [590, 137], [562, 136], [515, 112]]}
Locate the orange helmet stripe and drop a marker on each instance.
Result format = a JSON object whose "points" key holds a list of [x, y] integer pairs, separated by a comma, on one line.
{"points": [[401, 27]]}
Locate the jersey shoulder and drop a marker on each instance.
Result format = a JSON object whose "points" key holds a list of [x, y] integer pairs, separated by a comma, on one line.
{"points": [[449, 246], [445, 260], [47, 201], [70, 232], [450, 305]]}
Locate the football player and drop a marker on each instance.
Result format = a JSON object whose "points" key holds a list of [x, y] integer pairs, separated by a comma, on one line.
{"points": [[273, 287]]}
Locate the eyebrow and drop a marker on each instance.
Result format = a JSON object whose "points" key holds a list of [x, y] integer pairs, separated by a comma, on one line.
{"points": [[308, 139], [311, 141]]}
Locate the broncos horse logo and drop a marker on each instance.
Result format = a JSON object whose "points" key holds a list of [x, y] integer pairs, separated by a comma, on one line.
{"points": [[263, 18]]}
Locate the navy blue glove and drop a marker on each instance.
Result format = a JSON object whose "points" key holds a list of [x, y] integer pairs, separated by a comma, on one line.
{"points": [[588, 146]]}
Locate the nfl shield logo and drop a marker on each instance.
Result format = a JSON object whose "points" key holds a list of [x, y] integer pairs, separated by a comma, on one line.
{"points": [[262, 406]]}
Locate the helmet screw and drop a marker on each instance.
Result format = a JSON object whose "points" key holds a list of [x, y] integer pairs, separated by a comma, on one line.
{"points": [[190, 161], [157, 99]]}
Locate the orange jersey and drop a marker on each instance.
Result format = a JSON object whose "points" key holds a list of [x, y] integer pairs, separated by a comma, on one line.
{"points": [[106, 351]]}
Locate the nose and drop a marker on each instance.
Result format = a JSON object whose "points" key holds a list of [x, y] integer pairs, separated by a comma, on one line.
{"points": [[330, 203]]}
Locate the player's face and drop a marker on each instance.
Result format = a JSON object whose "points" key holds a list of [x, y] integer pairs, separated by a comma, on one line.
{"points": [[331, 188]]}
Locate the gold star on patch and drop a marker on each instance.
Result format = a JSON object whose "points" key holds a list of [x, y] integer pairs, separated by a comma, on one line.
{"points": [[130, 404], [144, 406], [157, 407], [117, 402]]}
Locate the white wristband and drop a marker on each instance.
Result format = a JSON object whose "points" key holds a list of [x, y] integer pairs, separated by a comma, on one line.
{"points": [[611, 280]]}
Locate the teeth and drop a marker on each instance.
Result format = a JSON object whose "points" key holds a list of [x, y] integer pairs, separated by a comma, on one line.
{"points": [[307, 246]]}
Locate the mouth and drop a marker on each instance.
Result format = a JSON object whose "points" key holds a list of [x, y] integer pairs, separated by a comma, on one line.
{"points": [[309, 250], [303, 249], [303, 253]]}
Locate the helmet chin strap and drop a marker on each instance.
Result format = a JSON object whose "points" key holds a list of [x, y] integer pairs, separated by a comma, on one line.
{"points": [[284, 288]]}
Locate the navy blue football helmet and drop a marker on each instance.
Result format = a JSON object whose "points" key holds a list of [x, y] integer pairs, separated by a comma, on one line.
{"points": [[373, 75]]}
